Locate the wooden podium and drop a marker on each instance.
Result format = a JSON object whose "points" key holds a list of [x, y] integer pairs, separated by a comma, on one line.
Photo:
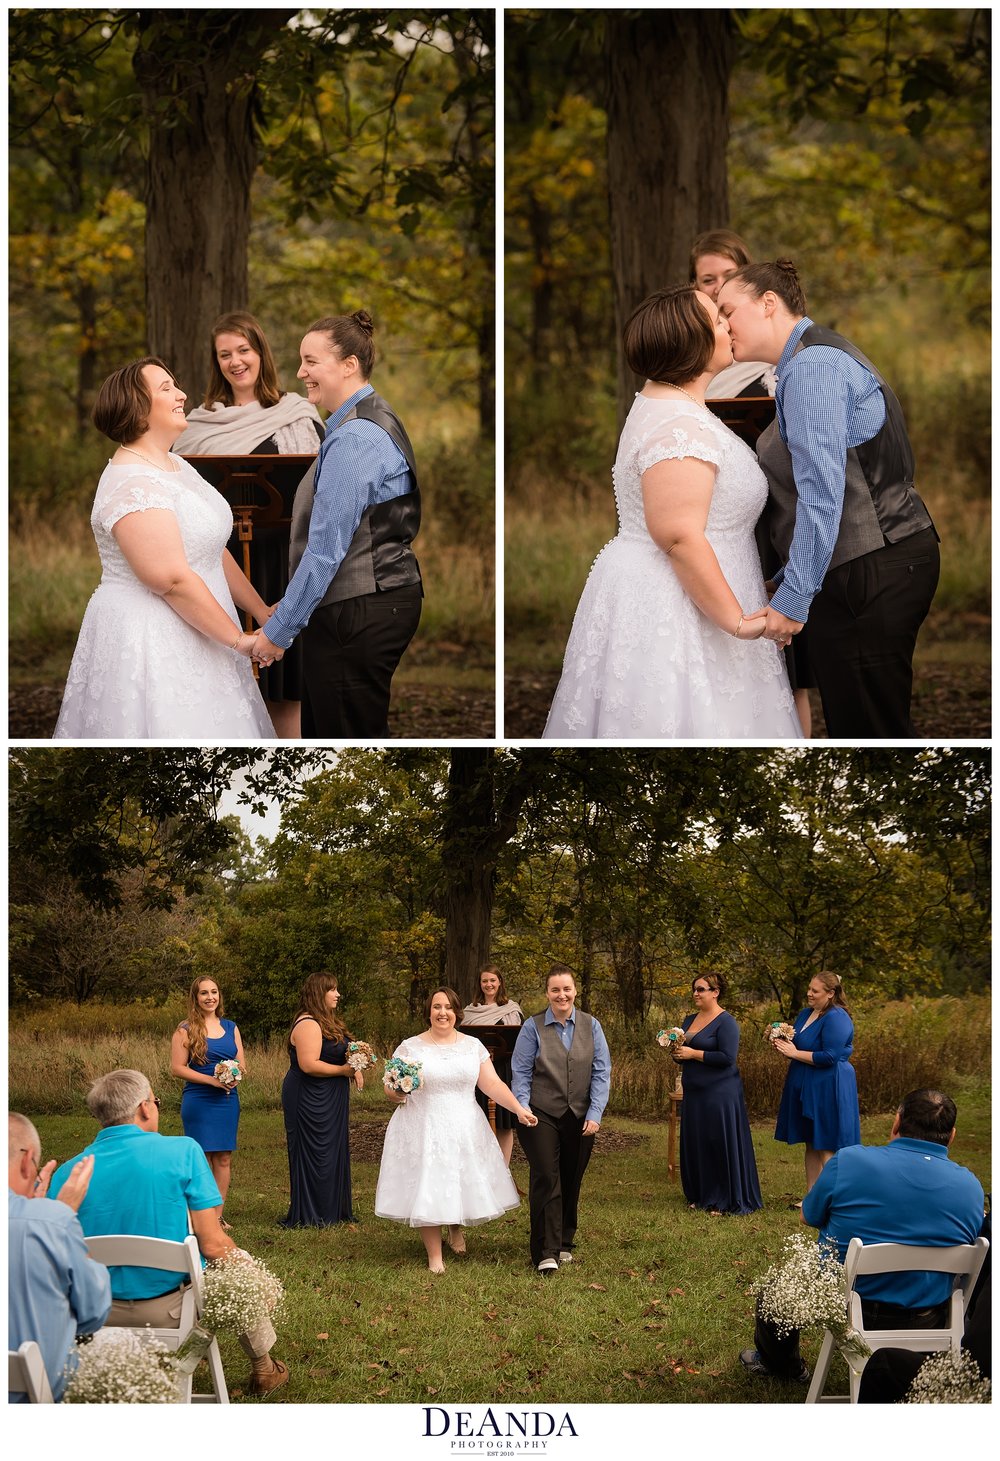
{"points": [[260, 490], [748, 416], [499, 1041]]}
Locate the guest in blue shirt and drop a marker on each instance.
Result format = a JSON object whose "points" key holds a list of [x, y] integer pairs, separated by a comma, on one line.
{"points": [[355, 591], [54, 1290], [561, 1069], [859, 550], [906, 1192], [149, 1185]]}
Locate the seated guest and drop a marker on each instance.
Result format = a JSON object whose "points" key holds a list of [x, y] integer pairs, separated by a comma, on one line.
{"points": [[146, 1184], [906, 1192], [54, 1291]]}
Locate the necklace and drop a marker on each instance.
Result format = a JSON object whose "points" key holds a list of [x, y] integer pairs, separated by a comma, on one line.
{"points": [[142, 457], [683, 392], [452, 1038]]}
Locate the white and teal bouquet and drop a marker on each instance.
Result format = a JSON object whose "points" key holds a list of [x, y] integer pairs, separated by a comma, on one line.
{"points": [[360, 1055], [229, 1073], [403, 1076], [779, 1030], [670, 1039], [123, 1367], [948, 1379], [807, 1290]]}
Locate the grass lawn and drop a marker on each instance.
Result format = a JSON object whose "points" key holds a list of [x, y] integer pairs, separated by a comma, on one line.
{"points": [[655, 1309]]}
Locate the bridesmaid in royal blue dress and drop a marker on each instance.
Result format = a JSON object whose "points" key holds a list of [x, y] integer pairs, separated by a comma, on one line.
{"points": [[819, 1104], [718, 1169], [315, 1097], [210, 1111]]}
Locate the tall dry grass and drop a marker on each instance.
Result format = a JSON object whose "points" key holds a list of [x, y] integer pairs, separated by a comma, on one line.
{"points": [[55, 1054]]}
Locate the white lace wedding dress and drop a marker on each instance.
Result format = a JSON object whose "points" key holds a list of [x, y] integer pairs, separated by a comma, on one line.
{"points": [[440, 1161], [139, 671], [642, 661]]}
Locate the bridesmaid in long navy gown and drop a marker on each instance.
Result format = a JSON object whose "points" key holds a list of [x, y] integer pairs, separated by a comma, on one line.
{"points": [[315, 1098], [210, 1111], [718, 1170]]}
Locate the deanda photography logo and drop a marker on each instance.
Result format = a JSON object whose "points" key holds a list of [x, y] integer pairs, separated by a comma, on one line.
{"points": [[492, 1432]]}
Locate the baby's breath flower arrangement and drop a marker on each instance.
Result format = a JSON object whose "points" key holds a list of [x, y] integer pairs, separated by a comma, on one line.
{"points": [[403, 1076], [779, 1030], [122, 1367], [360, 1055], [239, 1293], [807, 1290], [948, 1379]]}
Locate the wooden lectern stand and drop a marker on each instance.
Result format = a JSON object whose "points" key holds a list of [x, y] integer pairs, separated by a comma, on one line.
{"points": [[747, 416], [676, 1098], [499, 1041]]}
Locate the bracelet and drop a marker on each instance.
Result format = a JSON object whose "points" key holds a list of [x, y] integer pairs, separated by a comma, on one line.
{"points": [[736, 631], [242, 632]]}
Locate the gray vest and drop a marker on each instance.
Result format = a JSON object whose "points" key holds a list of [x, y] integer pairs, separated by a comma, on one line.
{"points": [[560, 1080], [379, 556], [880, 503]]}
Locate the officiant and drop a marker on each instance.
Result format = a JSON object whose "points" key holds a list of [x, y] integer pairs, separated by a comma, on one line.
{"points": [[492, 1006]]}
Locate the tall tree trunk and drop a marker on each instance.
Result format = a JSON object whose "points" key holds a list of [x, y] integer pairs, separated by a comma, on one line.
{"points": [[199, 97], [668, 126]]}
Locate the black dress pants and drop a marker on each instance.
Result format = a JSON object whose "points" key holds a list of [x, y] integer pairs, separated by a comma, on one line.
{"points": [[863, 627], [780, 1353], [557, 1153], [351, 651]]}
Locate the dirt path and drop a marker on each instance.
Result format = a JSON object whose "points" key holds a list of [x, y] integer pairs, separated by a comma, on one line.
{"points": [[424, 712], [950, 702]]}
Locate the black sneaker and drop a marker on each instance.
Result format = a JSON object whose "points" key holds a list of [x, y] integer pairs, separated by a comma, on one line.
{"points": [[754, 1365]]}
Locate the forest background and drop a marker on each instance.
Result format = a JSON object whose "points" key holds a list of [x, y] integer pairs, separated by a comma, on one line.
{"points": [[357, 169], [855, 142], [404, 870]]}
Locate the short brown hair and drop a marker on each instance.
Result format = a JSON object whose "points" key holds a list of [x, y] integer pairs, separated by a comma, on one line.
{"points": [[453, 1000], [350, 335], [121, 411], [721, 241], [267, 388], [715, 982], [558, 970], [781, 278], [669, 338]]}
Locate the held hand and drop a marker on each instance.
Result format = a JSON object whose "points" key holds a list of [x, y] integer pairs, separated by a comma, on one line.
{"points": [[359, 1080], [44, 1178], [753, 625], [591, 1128], [266, 653], [74, 1189], [781, 629], [526, 1117], [246, 644], [398, 1097], [785, 1048], [683, 1052]]}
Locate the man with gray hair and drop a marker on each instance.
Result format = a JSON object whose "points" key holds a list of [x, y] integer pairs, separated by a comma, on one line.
{"points": [[54, 1290], [150, 1185]]}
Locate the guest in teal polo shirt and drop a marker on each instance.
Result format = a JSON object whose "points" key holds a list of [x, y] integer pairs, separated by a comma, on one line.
{"points": [[149, 1185]]}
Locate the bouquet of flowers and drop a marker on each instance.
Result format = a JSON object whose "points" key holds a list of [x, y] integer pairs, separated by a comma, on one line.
{"points": [[360, 1055], [779, 1030], [947, 1379], [239, 1292], [229, 1073], [403, 1076], [807, 1290], [123, 1367], [670, 1039]]}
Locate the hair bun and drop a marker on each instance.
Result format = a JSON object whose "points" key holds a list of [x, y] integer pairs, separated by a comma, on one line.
{"points": [[787, 267], [362, 318]]}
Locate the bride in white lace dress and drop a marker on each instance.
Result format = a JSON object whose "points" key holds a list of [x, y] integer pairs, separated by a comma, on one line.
{"points": [[441, 1164], [161, 654], [666, 642]]}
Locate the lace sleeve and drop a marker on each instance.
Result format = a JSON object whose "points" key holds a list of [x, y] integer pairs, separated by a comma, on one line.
{"points": [[137, 493], [677, 437]]}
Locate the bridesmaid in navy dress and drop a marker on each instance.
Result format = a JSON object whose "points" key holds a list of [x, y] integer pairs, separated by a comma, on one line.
{"points": [[210, 1111], [315, 1098], [819, 1104], [718, 1169]]}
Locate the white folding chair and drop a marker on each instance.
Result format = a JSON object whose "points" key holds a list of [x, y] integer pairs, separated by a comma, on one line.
{"points": [[183, 1258], [963, 1261], [26, 1374]]}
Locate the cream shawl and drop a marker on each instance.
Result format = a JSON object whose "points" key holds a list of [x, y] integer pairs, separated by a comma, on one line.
{"points": [[236, 430]]}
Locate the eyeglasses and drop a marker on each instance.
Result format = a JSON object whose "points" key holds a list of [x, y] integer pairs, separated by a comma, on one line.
{"points": [[30, 1153], [155, 1100], [703, 990]]}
